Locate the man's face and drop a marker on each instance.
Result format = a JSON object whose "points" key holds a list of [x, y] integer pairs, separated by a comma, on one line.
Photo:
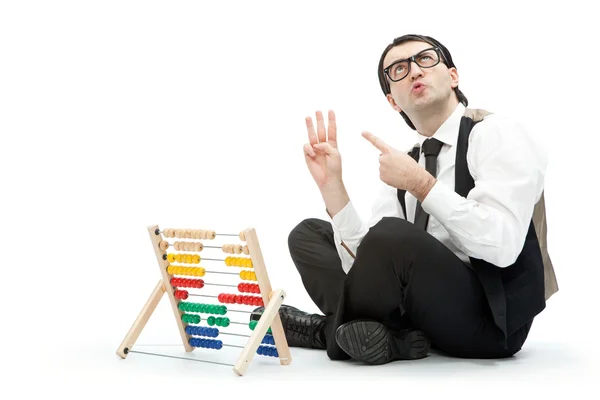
{"points": [[422, 86]]}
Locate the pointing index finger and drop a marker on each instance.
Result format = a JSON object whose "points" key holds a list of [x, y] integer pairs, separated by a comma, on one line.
{"points": [[375, 141]]}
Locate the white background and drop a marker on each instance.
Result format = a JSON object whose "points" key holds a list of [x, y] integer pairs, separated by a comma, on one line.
{"points": [[116, 115]]}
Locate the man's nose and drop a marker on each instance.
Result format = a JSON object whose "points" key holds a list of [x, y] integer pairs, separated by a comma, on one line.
{"points": [[415, 70]]}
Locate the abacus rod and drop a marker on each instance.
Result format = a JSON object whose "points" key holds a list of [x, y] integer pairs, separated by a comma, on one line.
{"points": [[218, 234], [225, 273], [220, 284], [233, 334], [247, 312], [181, 358], [233, 345], [203, 295], [204, 246]]}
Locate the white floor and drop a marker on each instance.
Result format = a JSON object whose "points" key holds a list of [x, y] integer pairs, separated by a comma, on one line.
{"points": [[555, 363]]}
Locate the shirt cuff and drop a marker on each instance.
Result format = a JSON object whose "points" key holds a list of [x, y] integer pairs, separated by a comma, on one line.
{"points": [[347, 221], [441, 202]]}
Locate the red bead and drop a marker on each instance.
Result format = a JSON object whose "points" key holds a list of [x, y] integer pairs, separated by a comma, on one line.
{"points": [[184, 294], [220, 298]]}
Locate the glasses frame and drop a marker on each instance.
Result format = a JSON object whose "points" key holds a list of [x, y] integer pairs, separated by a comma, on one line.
{"points": [[412, 59]]}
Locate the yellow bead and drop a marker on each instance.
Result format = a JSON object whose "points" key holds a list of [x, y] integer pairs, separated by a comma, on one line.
{"points": [[178, 258], [253, 276], [171, 257], [196, 259], [202, 272]]}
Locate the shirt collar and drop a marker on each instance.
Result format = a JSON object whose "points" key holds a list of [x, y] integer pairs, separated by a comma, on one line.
{"points": [[448, 131]]}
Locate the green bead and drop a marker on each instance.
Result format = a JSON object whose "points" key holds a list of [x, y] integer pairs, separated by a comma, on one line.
{"points": [[196, 319], [196, 308], [225, 322], [211, 320], [181, 306], [219, 321], [223, 310], [252, 325], [184, 318], [269, 330]]}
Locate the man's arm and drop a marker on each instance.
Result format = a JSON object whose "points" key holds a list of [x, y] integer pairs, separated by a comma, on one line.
{"points": [[508, 168]]}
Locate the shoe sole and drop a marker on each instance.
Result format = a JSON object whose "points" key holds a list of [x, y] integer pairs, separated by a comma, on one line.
{"points": [[374, 344]]}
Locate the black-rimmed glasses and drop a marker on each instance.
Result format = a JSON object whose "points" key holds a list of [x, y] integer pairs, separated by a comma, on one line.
{"points": [[425, 59]]}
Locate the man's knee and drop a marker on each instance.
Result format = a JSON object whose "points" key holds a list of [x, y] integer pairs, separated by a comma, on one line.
{"points": [[389, 233], [304, 231]]}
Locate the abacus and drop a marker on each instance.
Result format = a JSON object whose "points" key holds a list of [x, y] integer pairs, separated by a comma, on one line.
{"points": [[180, 259]]}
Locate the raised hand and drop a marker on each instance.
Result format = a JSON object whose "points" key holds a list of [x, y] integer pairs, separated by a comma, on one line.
{"points": [[321, 152]]}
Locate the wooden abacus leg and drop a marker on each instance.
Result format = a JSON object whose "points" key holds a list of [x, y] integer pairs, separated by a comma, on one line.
{"points": [[271, 311], [141, 320]]}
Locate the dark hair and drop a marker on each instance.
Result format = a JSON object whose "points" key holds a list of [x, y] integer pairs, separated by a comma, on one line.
{"points": [[447, 59]]}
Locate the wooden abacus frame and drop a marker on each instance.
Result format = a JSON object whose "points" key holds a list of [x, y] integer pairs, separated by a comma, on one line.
{"points": [[273, 299]]}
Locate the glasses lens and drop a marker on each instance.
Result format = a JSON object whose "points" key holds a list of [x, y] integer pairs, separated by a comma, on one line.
{"points": [[427, 58], [398, 70]]}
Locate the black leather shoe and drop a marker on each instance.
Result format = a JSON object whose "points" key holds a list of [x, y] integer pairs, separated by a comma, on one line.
{"points": [[373, 343], [301, 328]]}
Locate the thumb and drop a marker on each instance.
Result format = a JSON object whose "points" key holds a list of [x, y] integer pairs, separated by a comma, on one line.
{"points": [[375, 141]]}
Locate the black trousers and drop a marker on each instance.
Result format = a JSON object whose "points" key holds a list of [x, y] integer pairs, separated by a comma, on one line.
{"points": [[404, 278]]}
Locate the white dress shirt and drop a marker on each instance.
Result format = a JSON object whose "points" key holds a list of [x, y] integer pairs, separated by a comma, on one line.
{"points": [[508, 168]]}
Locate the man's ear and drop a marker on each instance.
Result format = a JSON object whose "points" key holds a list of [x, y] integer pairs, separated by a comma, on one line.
{"points": [[392, 102], [453, 77]]}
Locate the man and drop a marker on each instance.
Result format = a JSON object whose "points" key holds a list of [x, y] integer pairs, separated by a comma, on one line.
{"points": [[454, 255]]}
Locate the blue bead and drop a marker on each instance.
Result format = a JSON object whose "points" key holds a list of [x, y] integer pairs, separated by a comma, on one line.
{"points": [[219, 344]]}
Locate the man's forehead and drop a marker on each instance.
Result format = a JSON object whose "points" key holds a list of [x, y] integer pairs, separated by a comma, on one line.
{"points": [[404, 50]]}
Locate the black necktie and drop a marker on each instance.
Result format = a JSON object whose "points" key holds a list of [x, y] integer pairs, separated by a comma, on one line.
{"points": [[431, 148]]}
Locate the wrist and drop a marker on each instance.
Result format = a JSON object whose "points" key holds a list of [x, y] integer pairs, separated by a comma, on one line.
{"points": [[335, 197], [423, 185]]}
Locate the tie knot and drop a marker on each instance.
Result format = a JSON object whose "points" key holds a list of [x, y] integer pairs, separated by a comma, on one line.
{"points": [[431, 147]]}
